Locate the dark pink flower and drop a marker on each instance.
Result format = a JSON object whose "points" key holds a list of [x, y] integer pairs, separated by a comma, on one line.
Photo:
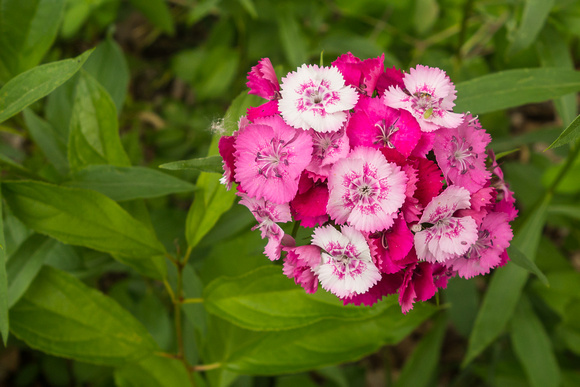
{"points": [[392, 247], [388, 284], [391, 77], [226, 148], [262, 80], [418, 285], [299, 263], [269, 108], [270, 156], [461, 154], [363, 75], [310, 207]]}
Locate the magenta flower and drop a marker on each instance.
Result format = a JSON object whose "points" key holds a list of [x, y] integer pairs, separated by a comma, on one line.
{"points": [[226, 148], [428, 95], [493, 238], [309, 207], [505, 197], [418, 284], [362, 74], [316, 98], [262, 80], [270, 156], [299, 263], [392, 247], [373, 124], [461, 154], [346, 267], [365, 190], [388, 284], [449, 236], [268, 215]]}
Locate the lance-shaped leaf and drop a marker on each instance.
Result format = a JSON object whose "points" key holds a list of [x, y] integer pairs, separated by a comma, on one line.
{"points": [[533, 19], [94, 129], [87, 218], [570, 134], [510, 88], [153, 371], [48, 139], [62, 316], [28, 29], [4, 321], [520, 259], [265, 299], [127, 183], [211, 164], [36, 83]]}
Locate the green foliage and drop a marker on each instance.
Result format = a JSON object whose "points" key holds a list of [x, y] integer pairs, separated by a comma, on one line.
{"points": [[4, 298]]}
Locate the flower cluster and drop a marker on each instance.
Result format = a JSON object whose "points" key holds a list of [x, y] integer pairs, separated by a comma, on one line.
{"points": [[399, 191]]}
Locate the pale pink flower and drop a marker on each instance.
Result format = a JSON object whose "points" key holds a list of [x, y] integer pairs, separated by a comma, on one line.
{"points": [[299, 263], [346, 268], [328, 148], [316, 97], [365, 190], [447, 236], [461, 154], [270, 156], [428, 95]]}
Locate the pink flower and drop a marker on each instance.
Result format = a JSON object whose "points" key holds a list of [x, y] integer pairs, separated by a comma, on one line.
{"points": [[429, 96], [226, 148], [376, 125], [493, 238], [317, 98], [388, 284], [268, 214], [298, 265], [449, 236], [270, 156], [461, 154], [360, 74], [269, 108], [393, 247], [391, 77], [309, 207], [366, 190], [505, 197], [418, 284], [262, 80], [346, 268], [328, 149]]}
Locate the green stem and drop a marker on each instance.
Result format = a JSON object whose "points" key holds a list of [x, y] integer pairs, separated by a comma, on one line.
{"points": [[574, 150], [295, 229], [468, 6], [192, 301]]}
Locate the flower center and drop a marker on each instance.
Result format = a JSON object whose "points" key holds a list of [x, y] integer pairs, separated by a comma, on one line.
{"points": [[482, 243], [385, 134], [461, 155], [272, 158], [324, 141]]}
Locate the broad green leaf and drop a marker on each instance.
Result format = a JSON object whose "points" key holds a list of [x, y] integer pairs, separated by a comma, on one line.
{"points": [[94, 129], [62, 316], [4, 319], [59, 106], [153, 371], [506, 285], [568, 184], [25, 263], [569, 135], [265, 299], [463, 300], [36, 83], [212, 164], [570, 210], [291, 37], [520, 259], [127, 183], [27, 30], [327, 342], [554, 51], [157, 12], [533, 347], [535, 15], [86, 218], [49, 140], [512, 88], [420, 368], [108, 66]]}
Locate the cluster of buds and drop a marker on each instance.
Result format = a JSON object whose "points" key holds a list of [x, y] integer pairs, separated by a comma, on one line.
{"points": [[398, 191]]}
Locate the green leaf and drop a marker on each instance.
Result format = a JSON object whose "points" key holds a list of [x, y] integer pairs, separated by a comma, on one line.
{"points": [[25, 263], [533, 347], [534, 17], [127, 183], [291, 37], [94, 129], [327, 342], [212, 164], [87, 218], [108, 66], [237, 109], [512, 88], [425, 15], [27, 30], [153, 371], [569, 135], [420, 368], [157, 12], [506, 285], [61, 316], [569, 210], [32, 85], [49, 140], [4, 319], [462, 296], [265, 299], [520, 259]]}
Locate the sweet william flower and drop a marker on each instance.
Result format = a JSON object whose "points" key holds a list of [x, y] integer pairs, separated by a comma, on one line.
{"points": [[365, 190], [316, 98], [428, 95], [362, 74], [346, 268], [262, 80], [299, 263], [270, 156]]}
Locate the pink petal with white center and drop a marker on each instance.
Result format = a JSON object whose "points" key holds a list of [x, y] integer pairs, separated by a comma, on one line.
{"points": [[444, 206], [270, 156], [317, 98], [365, 190], [275, 244], [346, 267]]}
